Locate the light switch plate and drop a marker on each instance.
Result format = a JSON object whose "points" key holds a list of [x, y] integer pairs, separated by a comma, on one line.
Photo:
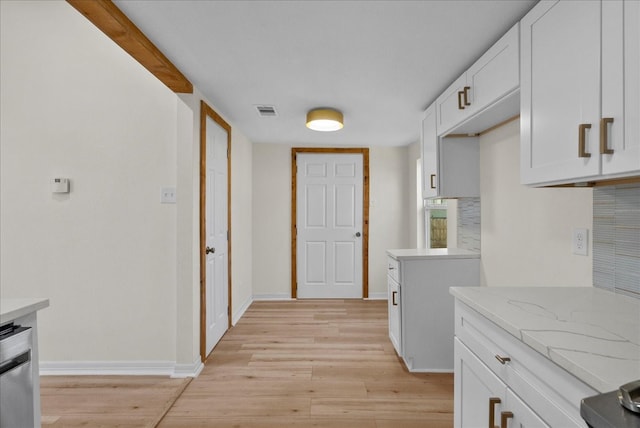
{"points": [[580, 241]]}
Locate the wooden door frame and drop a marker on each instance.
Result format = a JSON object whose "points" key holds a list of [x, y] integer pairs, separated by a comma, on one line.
{"points": [[206, 111], [365, 212]]}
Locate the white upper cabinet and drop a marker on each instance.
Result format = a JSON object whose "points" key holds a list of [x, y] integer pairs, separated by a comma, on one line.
{"points": [[571, 129], [494, 77], [621, 86], [450, 166], [429, 145]]}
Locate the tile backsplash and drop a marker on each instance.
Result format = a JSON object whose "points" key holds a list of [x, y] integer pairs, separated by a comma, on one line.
{"points": [[469, 223], [616, 238]]}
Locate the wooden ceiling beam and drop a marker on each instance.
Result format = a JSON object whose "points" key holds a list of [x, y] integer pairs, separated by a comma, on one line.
{"points": [[105, 15]]}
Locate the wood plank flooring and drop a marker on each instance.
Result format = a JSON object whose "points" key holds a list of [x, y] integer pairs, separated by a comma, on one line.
{"points": [[291, 364], [312, 363], [107, 401]]}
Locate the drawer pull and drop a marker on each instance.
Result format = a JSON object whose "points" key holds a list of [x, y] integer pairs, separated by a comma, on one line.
{"points": [[465, 94], [460, 106], [492, 411], [604, 143], [393, 298], [504, 419], [433, 176], [392, 267], [582, 152], [503, 360]]}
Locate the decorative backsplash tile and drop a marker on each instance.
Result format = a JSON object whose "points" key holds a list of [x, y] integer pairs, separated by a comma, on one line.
{"points": [[616, 238], [469, 223]]}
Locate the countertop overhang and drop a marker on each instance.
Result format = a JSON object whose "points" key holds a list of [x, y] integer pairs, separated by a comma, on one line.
{"points": [[594, 334], [10, 309], [428, 253]]}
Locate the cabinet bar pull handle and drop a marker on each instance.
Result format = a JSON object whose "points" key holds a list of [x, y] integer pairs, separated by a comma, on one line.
{"points": [[582, 153], [492, 411], [433, 176], [503, 360], [466, 95], [604, 143], [460, 106], [504, 418], [393, 298]]}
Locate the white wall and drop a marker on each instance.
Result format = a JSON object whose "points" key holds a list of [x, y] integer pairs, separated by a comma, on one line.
{"points": [[388, 226], [526, 232], [241, 223], [121, 269], [105, 254]]}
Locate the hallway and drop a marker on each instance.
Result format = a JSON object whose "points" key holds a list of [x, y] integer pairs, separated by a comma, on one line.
{"points": [[305, 363]]}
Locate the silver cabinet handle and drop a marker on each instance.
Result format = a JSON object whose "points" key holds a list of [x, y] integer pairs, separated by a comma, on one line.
{"points": [[503, 360]]}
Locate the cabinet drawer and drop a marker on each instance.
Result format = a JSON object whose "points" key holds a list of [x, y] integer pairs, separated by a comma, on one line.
{"points": [[553, 393], [393, 268]]}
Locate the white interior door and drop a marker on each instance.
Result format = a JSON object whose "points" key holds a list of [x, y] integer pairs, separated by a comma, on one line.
{"points": [[329, 225], [217, 301]]}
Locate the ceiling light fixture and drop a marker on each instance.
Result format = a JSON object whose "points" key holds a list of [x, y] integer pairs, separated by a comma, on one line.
{"points": [[324, 119]]}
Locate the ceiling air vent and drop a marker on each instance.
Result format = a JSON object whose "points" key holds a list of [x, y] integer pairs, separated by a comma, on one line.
{"points": [[266, 111]]}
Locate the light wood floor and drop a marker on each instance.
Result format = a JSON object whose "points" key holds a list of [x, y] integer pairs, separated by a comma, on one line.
{"points": [[285, 364], [107, 401], [312, 364]]}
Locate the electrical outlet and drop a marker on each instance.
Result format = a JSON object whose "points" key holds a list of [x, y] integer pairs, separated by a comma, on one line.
{"points": [[168, 195], [580, 241]]}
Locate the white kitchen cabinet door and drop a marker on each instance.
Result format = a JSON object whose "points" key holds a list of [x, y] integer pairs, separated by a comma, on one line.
{"points": [[621, 86], [479, 396], [429, 149], [560, 91], [395, 325], [495, 74], [520, 415], [450, 106]]}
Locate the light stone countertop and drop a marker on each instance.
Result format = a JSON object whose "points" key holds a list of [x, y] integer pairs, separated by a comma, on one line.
{"points": [[594, 334], [428, 253], [10, 309]]}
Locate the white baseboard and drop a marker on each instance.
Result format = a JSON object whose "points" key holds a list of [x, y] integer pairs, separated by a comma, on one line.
{"points": [[124, 368], [278, 296], [286, 296], [188, 370], [377, 296], [240, 312]]}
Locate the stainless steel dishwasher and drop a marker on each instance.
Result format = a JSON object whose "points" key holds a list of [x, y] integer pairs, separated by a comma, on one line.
{"points": [[16, 377]]}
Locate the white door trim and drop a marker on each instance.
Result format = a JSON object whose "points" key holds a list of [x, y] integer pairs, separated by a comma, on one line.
{"points": [[365, 212]]}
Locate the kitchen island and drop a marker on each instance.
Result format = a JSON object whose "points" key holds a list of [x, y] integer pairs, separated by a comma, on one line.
{"points": [[565, 343], [23, 312], [419, 304]]}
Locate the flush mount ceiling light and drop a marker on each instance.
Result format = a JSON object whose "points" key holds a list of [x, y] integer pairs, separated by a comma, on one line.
{"points": [[324, 119]]}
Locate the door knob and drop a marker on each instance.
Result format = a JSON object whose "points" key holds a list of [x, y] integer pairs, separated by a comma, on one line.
{"points": [[209, 250], [357, 234]]}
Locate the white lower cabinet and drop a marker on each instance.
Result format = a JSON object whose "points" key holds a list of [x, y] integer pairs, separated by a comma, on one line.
{"points": [[482, 396], [421, 308], [394, 313], [501, 382]]}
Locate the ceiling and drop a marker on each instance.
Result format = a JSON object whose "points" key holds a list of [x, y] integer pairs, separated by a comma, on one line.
{"points": [[379, 62]]}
